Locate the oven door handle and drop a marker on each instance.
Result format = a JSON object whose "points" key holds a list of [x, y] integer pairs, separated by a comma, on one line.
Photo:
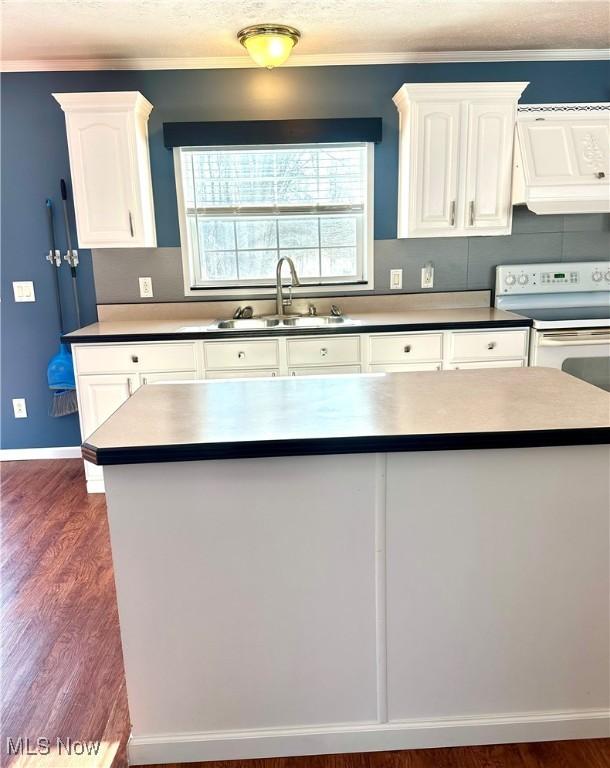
{"points": [[573, 339]]}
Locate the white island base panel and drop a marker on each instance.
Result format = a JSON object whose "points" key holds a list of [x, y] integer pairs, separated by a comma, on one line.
{"points": [[309, 605]]}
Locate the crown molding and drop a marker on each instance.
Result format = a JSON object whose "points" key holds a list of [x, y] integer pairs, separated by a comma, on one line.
{"points": [[305, 60]]}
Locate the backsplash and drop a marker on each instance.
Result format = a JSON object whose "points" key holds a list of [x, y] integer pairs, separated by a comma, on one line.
{"points": [[460, 263]]}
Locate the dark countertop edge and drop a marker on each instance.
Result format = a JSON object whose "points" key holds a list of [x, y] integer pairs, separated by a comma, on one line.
{"points": [[240, 334], [343, 445]]}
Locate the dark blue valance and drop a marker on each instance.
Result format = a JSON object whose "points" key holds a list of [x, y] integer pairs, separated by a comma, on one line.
{"points": [[314, 131]]}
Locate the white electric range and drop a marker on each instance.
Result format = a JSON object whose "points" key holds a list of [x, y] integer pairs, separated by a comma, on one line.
{"points": [[569, 304]]}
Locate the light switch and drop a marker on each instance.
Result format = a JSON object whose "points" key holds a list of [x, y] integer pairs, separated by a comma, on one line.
{"points": [[19, 408], [24, 291], [395, 279], [146, 287]]}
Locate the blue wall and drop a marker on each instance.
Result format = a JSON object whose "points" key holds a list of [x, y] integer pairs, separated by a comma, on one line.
{"points": [[34, 157]]}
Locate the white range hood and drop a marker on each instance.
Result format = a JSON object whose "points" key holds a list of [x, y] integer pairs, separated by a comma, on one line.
{"points": [[562, 158]]}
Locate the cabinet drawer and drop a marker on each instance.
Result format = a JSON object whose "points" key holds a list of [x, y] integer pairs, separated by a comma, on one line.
{"points": [[325, 370], [405, 367], [324, 351], [405, 348], [242, 354], [487, 345], [116, 358], [232, 373], [487, 364]]}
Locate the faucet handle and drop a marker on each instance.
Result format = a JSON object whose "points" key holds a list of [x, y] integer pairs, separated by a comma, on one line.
{"points": [[335, 311], [312, 310], [237, 313], [247, 312]]}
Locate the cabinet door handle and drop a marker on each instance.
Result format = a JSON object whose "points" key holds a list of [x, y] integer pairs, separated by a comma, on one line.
{"points": [[452, 214], [407, 348], [324, 351], [273, 373], [241, 355], [471, 213], [135, 359], [144, 380], [491, 345], [130, 223], [293, 373], [600, 175], [129, 386]]}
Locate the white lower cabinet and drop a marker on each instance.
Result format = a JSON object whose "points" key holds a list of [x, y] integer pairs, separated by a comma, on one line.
{"points": [[324, 370], [404, 367], [240, 373], [487, 364]]}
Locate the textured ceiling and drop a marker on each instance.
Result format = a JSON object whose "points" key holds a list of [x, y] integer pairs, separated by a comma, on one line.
{"points": [[62, 29]]}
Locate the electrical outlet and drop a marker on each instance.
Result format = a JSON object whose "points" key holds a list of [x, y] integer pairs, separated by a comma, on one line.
{"points": [[24, 291], [427, 276], [146, 288], [395, 279], [19, 408]]}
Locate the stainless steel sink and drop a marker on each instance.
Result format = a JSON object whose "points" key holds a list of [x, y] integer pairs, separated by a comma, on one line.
{"points": [[249, 324], [315, 321], [286, 321]]}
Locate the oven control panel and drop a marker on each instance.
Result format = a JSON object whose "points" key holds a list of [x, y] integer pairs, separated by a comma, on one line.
{"points": [[557, 277]]}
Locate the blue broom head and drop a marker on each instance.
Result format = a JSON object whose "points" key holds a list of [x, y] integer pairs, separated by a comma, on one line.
{"points": [[60, 371]]}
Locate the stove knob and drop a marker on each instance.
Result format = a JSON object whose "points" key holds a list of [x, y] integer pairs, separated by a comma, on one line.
{"points": [[597, 276], [523, 279], [509, 279]]}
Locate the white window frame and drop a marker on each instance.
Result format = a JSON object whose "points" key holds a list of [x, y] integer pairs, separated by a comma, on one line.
{"points": [[267, 289]]}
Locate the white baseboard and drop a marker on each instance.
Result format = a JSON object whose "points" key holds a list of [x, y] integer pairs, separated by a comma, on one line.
{"points": [[412, 734], [27, 454], [95, 486]]}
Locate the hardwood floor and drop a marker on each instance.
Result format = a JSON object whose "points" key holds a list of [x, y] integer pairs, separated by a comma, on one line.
{"points": [[61, 656]]}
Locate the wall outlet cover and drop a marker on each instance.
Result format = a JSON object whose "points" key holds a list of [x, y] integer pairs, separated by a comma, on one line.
{"points": [[19, 408], [24, 290], [146, 287], [427, 276], [395, 279]]}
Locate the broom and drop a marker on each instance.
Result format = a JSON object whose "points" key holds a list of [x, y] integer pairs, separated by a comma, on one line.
{"points": [[60, 370]]}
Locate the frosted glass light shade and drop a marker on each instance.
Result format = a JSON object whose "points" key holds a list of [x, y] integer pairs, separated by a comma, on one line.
{"points": [[269, 45]]}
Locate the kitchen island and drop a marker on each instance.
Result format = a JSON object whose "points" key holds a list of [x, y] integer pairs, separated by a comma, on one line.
{"points": [[352, 563]]}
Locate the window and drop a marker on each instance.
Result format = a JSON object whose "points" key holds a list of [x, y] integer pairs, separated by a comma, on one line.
{"points": [[242, 208]]}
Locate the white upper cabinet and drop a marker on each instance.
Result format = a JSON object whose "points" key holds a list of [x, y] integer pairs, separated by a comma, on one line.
{"points": [[110, 168], [456, 156], [564, 157]]}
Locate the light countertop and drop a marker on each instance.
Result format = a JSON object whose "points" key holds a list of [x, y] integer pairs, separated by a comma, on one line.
{"points": [[492, 408], [421, 319]]}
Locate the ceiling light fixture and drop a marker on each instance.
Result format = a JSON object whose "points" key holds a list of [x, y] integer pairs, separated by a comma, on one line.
{"points": [[269, 45]]}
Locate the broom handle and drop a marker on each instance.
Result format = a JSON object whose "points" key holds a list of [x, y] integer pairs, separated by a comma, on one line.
{"points": [[64, 199], [49, 206]]}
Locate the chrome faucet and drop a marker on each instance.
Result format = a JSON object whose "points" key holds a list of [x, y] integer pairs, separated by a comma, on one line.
{"points": [[280, 301]]}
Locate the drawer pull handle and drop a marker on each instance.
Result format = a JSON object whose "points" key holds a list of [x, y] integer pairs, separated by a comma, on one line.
{"points": [[241, 355], [600, 175], [491, 345], [408, 348], [135, 359], [324, 351]]}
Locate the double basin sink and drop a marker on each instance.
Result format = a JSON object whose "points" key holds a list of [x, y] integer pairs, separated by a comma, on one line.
{"points": [[285, 321]]}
